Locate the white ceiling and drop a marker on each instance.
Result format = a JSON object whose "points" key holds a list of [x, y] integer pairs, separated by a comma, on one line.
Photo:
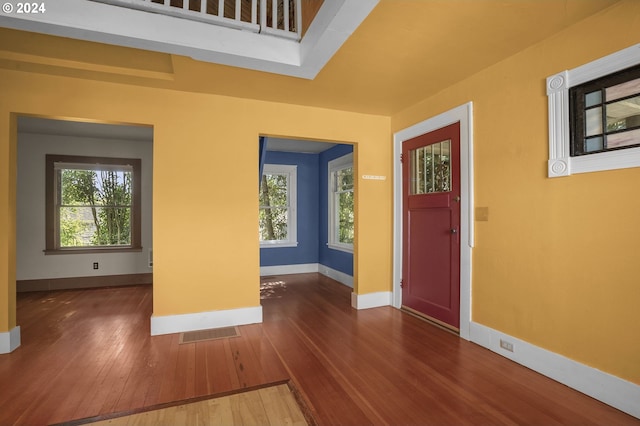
{"points": [[97, 21]]}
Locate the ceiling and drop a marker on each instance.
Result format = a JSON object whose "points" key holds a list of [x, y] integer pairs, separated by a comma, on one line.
{"points": [[402, 53], [127, 132], [47, 126]]}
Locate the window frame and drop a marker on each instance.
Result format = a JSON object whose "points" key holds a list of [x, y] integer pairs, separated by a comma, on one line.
{"points": [[333, 166], [291, 171], [52, 222], [561, 163]]}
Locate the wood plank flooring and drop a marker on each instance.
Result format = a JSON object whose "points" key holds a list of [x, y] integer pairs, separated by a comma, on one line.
{"points": [[86, 353], [269, 406]]}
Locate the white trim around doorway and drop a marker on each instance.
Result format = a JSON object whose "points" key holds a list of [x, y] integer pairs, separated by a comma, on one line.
{"points": [[463, 114]]}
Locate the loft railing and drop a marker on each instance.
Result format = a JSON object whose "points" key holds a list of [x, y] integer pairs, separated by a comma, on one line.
{"points": [[280, 18]]}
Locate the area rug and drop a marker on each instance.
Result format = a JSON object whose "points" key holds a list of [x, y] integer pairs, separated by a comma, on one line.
{"points": [[275, 404]]}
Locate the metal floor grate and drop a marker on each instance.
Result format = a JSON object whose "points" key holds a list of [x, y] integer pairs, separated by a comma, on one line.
{"points": [[211, 334]]}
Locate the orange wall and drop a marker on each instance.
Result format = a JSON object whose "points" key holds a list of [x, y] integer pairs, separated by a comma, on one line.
{"points": [[557, 263], [205, 206]]}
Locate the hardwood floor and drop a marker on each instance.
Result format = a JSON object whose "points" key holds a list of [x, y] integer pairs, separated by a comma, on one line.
{"points": [[87, 353]]}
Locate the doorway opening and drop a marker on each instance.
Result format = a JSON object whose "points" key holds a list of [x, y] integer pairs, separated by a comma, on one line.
{"points": [[306, 216], [83, 204]]}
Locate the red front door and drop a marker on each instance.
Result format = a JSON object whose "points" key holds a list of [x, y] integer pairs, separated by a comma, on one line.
{"points": [[431, 225]]}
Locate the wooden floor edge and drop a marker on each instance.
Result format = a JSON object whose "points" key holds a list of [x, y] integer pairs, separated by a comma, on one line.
{"points": [[88, 420], [302, 403]]}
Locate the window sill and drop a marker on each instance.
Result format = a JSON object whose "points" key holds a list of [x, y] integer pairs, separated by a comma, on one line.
{"points": [[346, 249], [100, 250], [278, 244]]}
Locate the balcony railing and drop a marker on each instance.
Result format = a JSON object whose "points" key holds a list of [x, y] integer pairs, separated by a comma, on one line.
{"points": [[281, 18]]}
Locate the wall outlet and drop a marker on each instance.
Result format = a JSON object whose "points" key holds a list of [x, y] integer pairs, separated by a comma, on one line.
{"points": [[508, 346], [95, 265]]}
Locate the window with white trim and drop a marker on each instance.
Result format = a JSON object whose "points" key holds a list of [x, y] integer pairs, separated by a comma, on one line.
{"points": [[340, 197], [589, 129], [605, 113], [277, 226]]}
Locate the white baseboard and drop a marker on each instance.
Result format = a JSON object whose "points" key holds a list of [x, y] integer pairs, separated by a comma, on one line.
{"points": [[204, 320], [303, 268], [371, 300], [10, 340], [602, 386], [341, 277]]}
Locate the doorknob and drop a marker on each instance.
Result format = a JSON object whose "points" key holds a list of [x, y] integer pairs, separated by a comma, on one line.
{"points": [[456, 199], [454, 230]]}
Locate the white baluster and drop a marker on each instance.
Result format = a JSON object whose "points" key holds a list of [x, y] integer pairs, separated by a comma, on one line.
{"points": [[263, 14], [286, 15], [238, 11], [274, 14], [254, 11], [299, 17], [203, 7], [221, 8]]}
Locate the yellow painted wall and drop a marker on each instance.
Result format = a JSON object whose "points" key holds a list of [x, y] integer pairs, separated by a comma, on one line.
{"points": [[205, 205], [8, 175], [558, 262]]}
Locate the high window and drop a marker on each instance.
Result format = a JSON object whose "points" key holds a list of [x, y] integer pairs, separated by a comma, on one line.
{"points": [[593, 115], [92, 204], [605, 113], [341, 223], [277, 218]]}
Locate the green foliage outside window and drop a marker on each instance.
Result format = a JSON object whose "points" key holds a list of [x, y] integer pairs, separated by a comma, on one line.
{"points": [[274, 207], [95, 207], [344, 194]]}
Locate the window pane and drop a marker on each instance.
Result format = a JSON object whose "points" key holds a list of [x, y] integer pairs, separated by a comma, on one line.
{"points": [[593, 98], [623, 114], [623, 90], [631, 137], [345, 217], [273, 190], [431, 168], [593, 144], [344, 179], [95, 226], [593, 121], [273, 224]]}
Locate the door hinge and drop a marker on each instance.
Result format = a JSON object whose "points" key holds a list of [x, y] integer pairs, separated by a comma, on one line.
{"points": [[401, 283], [401, 158]]}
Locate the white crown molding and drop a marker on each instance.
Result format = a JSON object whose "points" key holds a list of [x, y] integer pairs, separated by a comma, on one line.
{"points": [[104, 23]]}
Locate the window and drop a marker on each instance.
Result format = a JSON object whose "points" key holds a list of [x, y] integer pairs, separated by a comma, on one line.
{"points": [[341, 227], [93, 204], [591, 123], [605, 113], [277, 217]]}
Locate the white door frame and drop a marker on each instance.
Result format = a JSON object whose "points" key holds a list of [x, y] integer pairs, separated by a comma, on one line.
{"points": [[463, 114]]}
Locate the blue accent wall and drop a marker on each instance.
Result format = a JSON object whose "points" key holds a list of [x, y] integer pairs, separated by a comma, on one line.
{"points": [[312, 213], [308, 211], [335, 259]]}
